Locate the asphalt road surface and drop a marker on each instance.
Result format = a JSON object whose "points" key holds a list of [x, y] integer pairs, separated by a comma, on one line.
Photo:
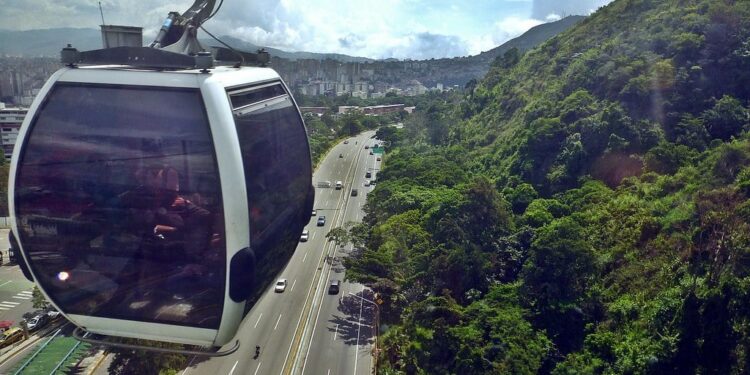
{"points": [[15, 290], [305, 329]]}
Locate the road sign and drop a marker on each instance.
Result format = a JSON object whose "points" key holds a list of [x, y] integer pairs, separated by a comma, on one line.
{"points": [[377, 150]]}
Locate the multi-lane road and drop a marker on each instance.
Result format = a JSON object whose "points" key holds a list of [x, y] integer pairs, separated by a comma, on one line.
{"points": [[15, 290], [306, 330]]}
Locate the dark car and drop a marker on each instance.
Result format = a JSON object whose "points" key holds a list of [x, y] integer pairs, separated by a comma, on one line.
{"points": [[368, 175], [334, 287], [321, 221], [354, 192]]}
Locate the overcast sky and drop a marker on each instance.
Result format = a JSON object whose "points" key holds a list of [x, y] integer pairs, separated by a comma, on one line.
{"points": [[416, 29]]}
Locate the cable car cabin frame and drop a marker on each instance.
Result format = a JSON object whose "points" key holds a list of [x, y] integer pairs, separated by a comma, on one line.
{"points": [[104, 156]]}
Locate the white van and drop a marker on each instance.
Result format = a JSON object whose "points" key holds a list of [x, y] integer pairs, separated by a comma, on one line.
{"points": [[339, 185]]}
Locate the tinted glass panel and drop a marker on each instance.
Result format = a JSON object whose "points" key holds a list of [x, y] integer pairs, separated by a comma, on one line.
{"points": [[119, 207], [243, 97], [276, 159]]}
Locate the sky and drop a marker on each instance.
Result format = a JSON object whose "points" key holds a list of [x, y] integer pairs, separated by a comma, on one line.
{"points": [[413, 29]]}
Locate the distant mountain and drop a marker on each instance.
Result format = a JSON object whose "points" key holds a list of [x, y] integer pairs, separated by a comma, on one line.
{"points": [[250, 47], [531, 38], [48, 42]]}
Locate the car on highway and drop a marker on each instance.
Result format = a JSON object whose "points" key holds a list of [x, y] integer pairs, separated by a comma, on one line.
{"points": [[321, 221], [371, 153], [280, 286], [368, 174], [355, 192], [314, 212], [305, 235], [367, 182], [53, 314], [346, 142], [37, 322], [333, 288], [378, 159], [339, 185], [366, 147], [11, 336]]}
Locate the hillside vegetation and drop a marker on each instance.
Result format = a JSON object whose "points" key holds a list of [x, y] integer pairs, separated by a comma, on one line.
{"points": [[583, 211]]}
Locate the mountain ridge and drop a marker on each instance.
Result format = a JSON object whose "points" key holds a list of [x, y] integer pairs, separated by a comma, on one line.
{"points": [[48, 42]]}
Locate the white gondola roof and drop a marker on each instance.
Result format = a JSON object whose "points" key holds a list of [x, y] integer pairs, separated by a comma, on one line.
{"points": [[226, 76]]}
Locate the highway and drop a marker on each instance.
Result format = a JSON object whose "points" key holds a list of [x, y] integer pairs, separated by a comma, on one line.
{"points": [[15, 290], [305, 329]]}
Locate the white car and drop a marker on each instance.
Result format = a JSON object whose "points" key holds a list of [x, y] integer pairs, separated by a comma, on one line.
{"points": [[280, 286], [305, 235], [367, 182]]}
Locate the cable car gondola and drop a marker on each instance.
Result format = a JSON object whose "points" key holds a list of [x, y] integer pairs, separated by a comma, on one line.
{"points": [[157, 196]]}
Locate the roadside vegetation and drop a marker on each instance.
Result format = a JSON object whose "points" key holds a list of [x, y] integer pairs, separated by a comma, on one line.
{"points": [[583, 209]]}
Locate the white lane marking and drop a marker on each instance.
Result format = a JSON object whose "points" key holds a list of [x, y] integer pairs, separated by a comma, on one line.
{"points": [[326, 202], [293, 284], [11, 302], [359, 328], [277, 322], [25, 292], [335, 333], [4, 308], [357, 216], [313, 236], [256, 369], [7, 305], [21, 297], [256, 323], [9, 281], [233, 367], [189, 364], [305, 257]]}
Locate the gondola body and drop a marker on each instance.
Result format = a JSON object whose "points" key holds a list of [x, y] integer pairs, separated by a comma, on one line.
{"points": [[157, 204]]}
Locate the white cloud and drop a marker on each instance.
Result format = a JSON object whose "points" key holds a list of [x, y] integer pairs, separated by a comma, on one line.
{"points": [[552, 17], [503, 31], [386, 28]]}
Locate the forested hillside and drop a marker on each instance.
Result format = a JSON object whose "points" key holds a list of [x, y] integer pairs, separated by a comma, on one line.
{"points": [[584, 210]]}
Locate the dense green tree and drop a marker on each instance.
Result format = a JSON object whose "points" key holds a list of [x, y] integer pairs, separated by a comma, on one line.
{"points": [[38, 301], [727, 118]]}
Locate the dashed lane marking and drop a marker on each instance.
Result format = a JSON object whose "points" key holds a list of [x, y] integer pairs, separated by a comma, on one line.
{"points": [[277, 323]]}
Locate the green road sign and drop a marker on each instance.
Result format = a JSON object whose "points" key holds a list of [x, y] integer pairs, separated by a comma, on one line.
{"points": [[377, 150]]}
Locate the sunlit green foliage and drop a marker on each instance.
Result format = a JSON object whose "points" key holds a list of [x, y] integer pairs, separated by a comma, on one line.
{"points": [[583, 209]]}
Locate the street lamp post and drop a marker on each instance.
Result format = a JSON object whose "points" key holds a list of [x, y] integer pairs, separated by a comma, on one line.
{"points": [[377, 327]]}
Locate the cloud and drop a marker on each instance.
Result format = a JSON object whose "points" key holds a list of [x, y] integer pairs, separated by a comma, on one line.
{"points": [[541, 9], [402, 29], [503, 31], [425, 45], [352, 41]]}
